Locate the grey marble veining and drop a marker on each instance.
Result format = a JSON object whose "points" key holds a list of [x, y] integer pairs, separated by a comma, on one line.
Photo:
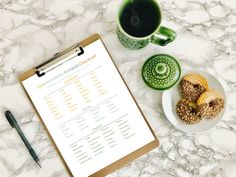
{"points": [[32, 31]]}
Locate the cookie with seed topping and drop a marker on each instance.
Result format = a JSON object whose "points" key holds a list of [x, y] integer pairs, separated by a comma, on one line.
{"points": [[187, 111], [210, 104], [192, 86]]}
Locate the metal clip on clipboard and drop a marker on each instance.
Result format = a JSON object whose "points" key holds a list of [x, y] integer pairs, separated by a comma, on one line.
{"points": [[54, 62]]}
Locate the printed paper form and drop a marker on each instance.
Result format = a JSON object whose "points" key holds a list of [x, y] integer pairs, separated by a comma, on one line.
{"points": [[88, 111]]}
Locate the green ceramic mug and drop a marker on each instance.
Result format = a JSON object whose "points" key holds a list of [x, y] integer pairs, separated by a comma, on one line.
{"points": [[139, 23]]}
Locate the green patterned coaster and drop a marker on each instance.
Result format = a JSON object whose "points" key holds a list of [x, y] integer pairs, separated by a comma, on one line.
{"points": [[161, 72]]}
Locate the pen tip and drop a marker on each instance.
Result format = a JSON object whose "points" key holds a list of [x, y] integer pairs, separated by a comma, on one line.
{"points": [[39, 164]]}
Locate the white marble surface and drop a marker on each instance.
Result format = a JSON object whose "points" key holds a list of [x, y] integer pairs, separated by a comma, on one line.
{"points": [[33, 30]]}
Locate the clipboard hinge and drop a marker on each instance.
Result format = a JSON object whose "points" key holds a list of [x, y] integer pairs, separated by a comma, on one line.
{"points": [[40, 70]]}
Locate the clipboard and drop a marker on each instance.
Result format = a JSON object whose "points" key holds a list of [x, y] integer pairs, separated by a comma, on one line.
{"points": [[59, 59]]}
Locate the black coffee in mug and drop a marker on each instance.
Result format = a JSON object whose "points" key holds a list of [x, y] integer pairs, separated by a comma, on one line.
{"points": [[140, 18]]}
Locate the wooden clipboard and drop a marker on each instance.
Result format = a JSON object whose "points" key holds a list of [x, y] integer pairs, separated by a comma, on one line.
{"points": [[121, 162]]}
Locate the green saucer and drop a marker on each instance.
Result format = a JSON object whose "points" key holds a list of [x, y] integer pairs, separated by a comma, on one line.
{"points": [[161, 72]]}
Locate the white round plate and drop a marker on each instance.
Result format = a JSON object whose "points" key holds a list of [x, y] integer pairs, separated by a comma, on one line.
{"points": [[171, 97]]}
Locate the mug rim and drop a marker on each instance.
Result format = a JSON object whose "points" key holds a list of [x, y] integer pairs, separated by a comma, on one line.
{"points": [[133, 37]]}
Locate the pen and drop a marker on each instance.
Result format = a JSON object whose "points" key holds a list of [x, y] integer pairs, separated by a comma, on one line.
{"points": [[12, 121]]}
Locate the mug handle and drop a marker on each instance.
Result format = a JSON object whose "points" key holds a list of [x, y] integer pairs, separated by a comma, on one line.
{"points": [[166, 32]]}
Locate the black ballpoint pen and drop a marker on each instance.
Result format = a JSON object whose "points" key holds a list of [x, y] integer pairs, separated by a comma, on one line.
{"points": [[15, 125]]}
